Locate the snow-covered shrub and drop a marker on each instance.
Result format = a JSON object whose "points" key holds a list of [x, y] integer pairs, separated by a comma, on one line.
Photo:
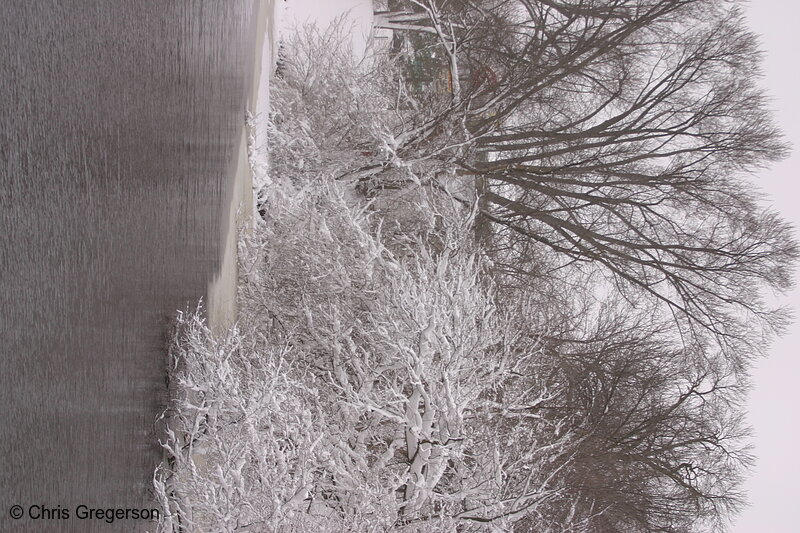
{"points": [[358, 390], [326, 105], [241, 433], [397, 346], [336, 114]]}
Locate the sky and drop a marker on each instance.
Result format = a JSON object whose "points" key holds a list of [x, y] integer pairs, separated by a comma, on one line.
{"points": [[774, 402], [322, 12]]}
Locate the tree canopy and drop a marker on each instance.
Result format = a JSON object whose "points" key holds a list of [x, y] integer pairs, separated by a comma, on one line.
{"points": [[618, 134]]}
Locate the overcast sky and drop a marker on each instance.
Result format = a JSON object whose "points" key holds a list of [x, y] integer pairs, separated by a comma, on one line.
{"points": [[323, 11], [775, 401]]}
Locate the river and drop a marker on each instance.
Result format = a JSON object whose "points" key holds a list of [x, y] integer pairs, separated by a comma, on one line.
{"points": [[120, 129]]}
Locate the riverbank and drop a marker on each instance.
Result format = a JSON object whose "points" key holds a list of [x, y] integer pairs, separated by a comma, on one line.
{"points": [[221, 307], [221, 297]]}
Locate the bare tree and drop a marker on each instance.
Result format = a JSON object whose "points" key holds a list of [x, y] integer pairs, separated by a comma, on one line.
{"points": [[661, 443], [617, 134]]}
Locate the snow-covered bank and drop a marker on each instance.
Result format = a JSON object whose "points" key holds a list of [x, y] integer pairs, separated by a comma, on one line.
{"points": [[221, 310], [221, 295], [275, 20]]}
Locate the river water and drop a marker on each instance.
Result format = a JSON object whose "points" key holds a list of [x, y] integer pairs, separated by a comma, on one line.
{"points": [[119, 129]]}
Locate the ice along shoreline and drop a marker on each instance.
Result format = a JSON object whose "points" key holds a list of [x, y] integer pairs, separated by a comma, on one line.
{"points": [[221, 306]]}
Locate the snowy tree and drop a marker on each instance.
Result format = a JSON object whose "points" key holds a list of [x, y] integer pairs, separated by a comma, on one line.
{"points": [[615, 135], [410, 349]]}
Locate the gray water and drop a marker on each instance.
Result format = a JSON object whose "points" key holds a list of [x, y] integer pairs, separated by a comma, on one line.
{"points": [[119, 124]]}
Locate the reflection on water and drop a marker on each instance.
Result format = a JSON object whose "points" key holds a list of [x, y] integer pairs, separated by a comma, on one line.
{"points": [[118, 129]]}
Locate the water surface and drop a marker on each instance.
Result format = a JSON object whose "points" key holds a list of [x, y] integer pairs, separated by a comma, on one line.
{"points": [[119, 127]]}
